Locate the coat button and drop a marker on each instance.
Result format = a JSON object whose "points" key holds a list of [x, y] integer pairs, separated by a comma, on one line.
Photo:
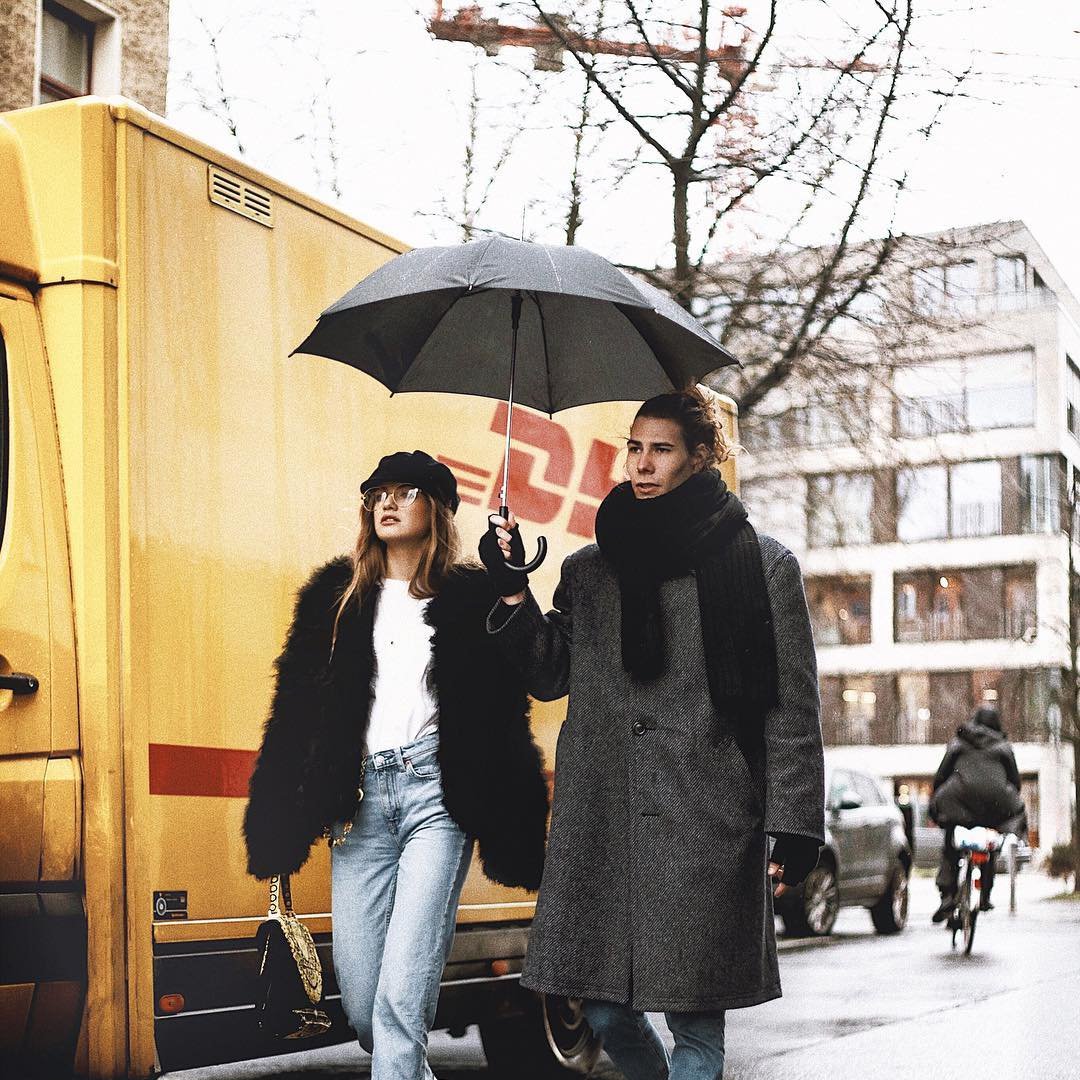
{"points": [[639, 727]]}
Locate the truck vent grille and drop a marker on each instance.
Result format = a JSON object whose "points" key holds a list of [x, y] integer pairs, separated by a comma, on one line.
{"points": [[239, 196]]}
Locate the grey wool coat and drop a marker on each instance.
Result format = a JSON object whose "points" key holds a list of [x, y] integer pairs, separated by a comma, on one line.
{"points": [[655, 891]]}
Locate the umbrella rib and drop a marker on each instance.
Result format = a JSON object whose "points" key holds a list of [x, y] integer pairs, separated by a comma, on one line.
{"points": [[419, 352], [480, 258], [554, 268], [652, 353], [547, 358]]}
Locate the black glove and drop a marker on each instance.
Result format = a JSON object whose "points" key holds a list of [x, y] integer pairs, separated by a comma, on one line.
{"points": [[507, 582], [798, 855]]}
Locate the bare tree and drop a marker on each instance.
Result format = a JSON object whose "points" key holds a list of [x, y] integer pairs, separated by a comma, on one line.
{"points": [[478, 176], [216, 100], [751, 137]]}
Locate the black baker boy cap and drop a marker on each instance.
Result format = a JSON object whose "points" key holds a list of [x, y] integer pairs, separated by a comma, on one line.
{"points": [[418, 470]]}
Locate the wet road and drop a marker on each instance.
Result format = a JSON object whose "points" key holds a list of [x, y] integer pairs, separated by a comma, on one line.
{"points": [[862, 1006]]}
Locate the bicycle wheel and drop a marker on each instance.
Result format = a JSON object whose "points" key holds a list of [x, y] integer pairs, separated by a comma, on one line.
{"points": [[969, 910]]}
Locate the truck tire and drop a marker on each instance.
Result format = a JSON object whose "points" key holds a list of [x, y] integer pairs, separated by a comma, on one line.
{"points": [[890, 913], [551, 1041], [812, 910]]}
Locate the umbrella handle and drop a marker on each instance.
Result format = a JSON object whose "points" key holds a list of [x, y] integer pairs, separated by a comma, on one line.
{"points": [[541, 549]]}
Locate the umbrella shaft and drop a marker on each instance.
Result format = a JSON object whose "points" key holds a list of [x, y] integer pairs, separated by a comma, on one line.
{"points": [[515, 302]]}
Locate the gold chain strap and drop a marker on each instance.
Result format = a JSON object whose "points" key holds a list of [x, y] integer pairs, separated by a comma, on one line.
{"points": [[301, 944], [346, 827]]}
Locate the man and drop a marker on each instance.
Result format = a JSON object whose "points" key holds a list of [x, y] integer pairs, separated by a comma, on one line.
{"points": [[977, 783], [692, 733]]}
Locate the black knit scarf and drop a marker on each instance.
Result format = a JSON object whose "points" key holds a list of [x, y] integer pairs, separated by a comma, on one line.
{"points": [[699, 526]]}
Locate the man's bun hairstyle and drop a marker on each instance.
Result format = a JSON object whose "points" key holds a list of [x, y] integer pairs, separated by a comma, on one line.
{"points": [[698, 418]]}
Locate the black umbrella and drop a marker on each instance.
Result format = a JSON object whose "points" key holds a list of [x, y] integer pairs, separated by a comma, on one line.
{"points": [[577, 330]]}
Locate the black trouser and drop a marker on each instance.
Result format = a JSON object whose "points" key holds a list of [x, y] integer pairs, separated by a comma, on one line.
{"points": [[949, 870]]}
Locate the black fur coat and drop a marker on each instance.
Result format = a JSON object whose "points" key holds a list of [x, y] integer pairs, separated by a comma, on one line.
{"points": [[308, 769]]}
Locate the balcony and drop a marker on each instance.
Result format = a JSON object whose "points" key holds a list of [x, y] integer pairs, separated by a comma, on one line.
{"points": [[967, 305], [841, 631], [958, 626]]}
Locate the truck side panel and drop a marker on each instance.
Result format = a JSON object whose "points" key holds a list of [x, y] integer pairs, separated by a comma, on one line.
{"points": [[205, 473]]}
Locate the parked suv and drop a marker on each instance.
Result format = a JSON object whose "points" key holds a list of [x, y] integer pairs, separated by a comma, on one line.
{"points": [[866, 860]]}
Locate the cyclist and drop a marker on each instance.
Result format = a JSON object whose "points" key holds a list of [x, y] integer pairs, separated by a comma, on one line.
{"points": [[977, 783]]}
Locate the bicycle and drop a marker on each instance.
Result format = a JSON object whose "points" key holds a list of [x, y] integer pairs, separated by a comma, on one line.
{"points": [[977, 846]]}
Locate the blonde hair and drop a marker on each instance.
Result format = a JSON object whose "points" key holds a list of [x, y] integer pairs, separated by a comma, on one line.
{"points": [[440, 556]]}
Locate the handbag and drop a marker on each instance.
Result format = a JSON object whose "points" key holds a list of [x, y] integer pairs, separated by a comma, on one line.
{"points": [[289, 1003]]}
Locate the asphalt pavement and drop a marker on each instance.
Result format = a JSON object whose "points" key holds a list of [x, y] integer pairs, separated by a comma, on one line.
{"points": [[860, 1006]]}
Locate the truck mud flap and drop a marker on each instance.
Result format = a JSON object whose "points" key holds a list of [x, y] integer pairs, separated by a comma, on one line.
{"points": [[43, 961]]}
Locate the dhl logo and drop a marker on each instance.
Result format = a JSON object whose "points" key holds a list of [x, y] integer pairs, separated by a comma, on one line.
{"points": [[534, 435]]}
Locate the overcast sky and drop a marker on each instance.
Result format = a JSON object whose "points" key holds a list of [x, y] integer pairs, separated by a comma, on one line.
{"points": [[358, 94]]}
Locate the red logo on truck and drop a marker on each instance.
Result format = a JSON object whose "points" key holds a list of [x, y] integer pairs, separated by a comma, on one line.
{"points": [[541, 473]]}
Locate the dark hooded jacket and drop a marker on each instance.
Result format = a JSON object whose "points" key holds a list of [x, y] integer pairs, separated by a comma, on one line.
{"points": [[309, 766], [977, 782]]}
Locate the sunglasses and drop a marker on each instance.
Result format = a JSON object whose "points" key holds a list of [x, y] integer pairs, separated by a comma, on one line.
{"points": [[402, 494]]}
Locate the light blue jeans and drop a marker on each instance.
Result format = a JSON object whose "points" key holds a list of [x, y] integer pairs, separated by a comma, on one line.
{"points": [[397, 880], [635, 1046]]}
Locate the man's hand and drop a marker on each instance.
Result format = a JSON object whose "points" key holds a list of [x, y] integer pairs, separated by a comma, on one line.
{"points": [[501, 544], [793, 857]]}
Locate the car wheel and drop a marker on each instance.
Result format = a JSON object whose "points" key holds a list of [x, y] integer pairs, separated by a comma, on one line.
{"points": [[551, 1040], [890, 913], [812, 911]]}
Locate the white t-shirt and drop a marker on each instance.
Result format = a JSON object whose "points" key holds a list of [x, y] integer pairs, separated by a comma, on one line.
{"points": [[404, 707]]}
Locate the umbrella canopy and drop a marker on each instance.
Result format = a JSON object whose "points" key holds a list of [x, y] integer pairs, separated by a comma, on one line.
{"points": [[439, 319]]}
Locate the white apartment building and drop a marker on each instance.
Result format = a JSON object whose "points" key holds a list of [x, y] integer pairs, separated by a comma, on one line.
{"points": [[934, 555]]}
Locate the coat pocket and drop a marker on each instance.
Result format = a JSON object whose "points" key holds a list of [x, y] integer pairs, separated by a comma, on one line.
{"points": [[741, 771]]}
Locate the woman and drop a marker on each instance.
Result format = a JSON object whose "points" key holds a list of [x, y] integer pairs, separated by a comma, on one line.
{"points": [[396, 730], [683, 640]]}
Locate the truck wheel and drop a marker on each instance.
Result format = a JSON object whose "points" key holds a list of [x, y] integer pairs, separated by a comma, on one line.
{"points": [[552, 1041], [812, 911], [890, 913]]}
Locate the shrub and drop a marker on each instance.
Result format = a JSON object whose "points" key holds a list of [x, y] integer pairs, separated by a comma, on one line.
{"points": [[1062, 861]]}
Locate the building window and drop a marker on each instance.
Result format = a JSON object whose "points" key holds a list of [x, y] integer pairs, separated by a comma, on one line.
{"points": [[839, 509], [839, 415], [849, 709], [824, 424], [953, 288], [973, 393], [1010, 282], [991, 602], [932, 705], [939, 501], [922, 505], [1072, 396], [767, 431], [857, 710], [1010, 274], [1020, 616], [975, 498], [67, 43], [1040, 494], [913, 707], [839, 610]]}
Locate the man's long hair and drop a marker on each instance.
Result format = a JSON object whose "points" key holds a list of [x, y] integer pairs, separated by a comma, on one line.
{"points": [[699, 421], [441, 554]]}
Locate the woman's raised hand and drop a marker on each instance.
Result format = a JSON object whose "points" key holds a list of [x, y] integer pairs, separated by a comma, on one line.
{"points": [[501, 544]]}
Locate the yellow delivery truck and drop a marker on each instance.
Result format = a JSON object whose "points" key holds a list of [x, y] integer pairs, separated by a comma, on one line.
{"points": [[168, 477]]}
